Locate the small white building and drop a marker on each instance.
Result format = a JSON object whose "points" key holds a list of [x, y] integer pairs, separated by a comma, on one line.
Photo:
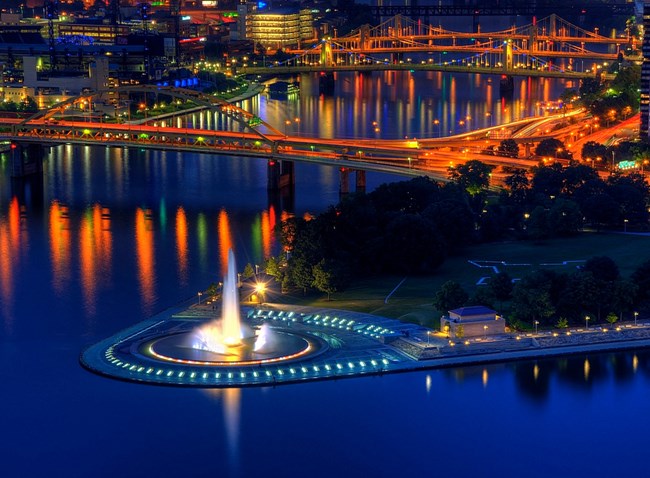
{"points": [[475, 321]]}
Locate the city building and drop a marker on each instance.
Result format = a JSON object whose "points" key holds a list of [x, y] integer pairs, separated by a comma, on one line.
{"points": [[276, 29], [645, 73], [473, 321]]}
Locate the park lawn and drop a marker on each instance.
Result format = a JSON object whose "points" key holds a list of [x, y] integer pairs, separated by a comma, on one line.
{"points": [[412, 300]]}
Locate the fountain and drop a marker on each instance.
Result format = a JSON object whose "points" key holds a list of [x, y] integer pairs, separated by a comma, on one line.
{"points": [[227, 340], [225, 333]]}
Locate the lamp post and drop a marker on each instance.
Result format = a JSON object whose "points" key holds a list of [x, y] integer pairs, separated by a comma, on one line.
{"points": [[587, 319], [536, 324], [200, 294], [437, 124], [613, 155], [636, 315], [625, 221], [485, 328]]}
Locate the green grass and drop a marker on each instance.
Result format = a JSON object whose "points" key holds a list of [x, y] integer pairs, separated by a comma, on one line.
{"points": [[411, 302]]}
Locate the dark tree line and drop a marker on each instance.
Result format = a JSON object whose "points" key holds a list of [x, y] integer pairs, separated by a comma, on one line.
{"points": [[595, 290], [411, 227], [400, 228]]}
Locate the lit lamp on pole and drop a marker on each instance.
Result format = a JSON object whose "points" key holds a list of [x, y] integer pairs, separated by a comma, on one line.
{"points": [[436, 123], [587, 319], [636, 315], [260, 289], [536, 324], [485, 329], [200, 294]]}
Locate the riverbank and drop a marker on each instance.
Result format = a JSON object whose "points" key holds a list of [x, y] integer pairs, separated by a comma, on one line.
{"points": [[438, 351]]}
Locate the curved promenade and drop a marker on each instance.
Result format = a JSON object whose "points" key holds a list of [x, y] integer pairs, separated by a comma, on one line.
{"points": [[351, 344]]}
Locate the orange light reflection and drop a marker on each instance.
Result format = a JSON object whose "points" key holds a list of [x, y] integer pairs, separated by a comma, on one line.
{"points": [[181, 243], [145, 254]]}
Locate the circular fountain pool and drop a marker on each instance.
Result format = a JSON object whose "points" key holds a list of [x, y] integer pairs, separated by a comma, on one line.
{"points": [[178, 348]]}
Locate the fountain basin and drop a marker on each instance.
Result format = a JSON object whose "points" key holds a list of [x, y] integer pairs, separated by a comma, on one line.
{"points": [[175, 348]]}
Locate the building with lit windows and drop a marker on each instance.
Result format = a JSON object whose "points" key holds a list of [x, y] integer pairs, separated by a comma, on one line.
{"points": [[645, 73], [474, 321], [279, 28], [100, 33]]}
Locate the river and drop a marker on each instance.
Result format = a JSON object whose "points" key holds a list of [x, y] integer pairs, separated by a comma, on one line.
{"points": [[110, 236]]}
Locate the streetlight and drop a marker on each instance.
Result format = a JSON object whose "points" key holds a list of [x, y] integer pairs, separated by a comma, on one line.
{"points": [[485, 328], [489, 117], [625, 221], [636, 314], [536, 324], [260, 288], [613, 154], [587, 319], [437, 124], [200, 294]]}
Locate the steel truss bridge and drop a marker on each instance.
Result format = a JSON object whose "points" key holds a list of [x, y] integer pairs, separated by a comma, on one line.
{"points": [[494, 8], [548, 47], [256, 139]]}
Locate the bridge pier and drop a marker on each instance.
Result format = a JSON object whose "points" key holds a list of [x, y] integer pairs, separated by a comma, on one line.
{"points": [[360, 181], [273, 175], [26, 159], [287, 175], [326, 83], [280, 175], [344, 182]]}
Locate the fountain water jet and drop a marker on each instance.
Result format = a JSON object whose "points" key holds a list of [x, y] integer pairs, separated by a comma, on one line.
{"points": [[227, 332]]}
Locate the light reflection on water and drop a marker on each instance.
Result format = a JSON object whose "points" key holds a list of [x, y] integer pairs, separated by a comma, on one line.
{"points": [[113, 234]]}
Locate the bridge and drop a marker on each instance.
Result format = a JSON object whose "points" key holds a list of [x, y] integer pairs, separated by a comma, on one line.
{"points": [[257, 139], [548, 47], [504, 8]]}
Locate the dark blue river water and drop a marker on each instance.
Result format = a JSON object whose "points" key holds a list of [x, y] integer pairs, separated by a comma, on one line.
{"points": [[112, 236]]}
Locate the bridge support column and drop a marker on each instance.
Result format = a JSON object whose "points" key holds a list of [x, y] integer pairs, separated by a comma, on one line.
{"points": [[528, 150], [360, 181], [287, 174], [26, 159], [326, 83], [273, 175], [476, 25], [344, 181]]}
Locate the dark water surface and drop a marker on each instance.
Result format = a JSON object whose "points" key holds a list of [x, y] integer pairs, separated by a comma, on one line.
{"points": [[113, 236]]}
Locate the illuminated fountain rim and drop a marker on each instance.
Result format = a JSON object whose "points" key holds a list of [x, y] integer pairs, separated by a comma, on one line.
{"points": [[311, 347]]}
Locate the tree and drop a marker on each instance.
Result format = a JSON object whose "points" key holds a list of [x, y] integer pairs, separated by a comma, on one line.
{"points": [[593, 151], [562, 323], [641, 278], [603, 268], [501, 287], [537, 227], [272, 267], [552, 148], [329, 277], [508, 148], [460, 331], [611, 318], [248, 272], [450, 296], [412, 245], [564, 218], [482, 296], [454, 220], [473, 176], [531, 297], [300, 273]]}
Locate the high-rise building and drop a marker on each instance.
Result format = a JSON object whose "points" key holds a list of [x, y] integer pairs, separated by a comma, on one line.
{"points": [[279, 28], [645, 72]]}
